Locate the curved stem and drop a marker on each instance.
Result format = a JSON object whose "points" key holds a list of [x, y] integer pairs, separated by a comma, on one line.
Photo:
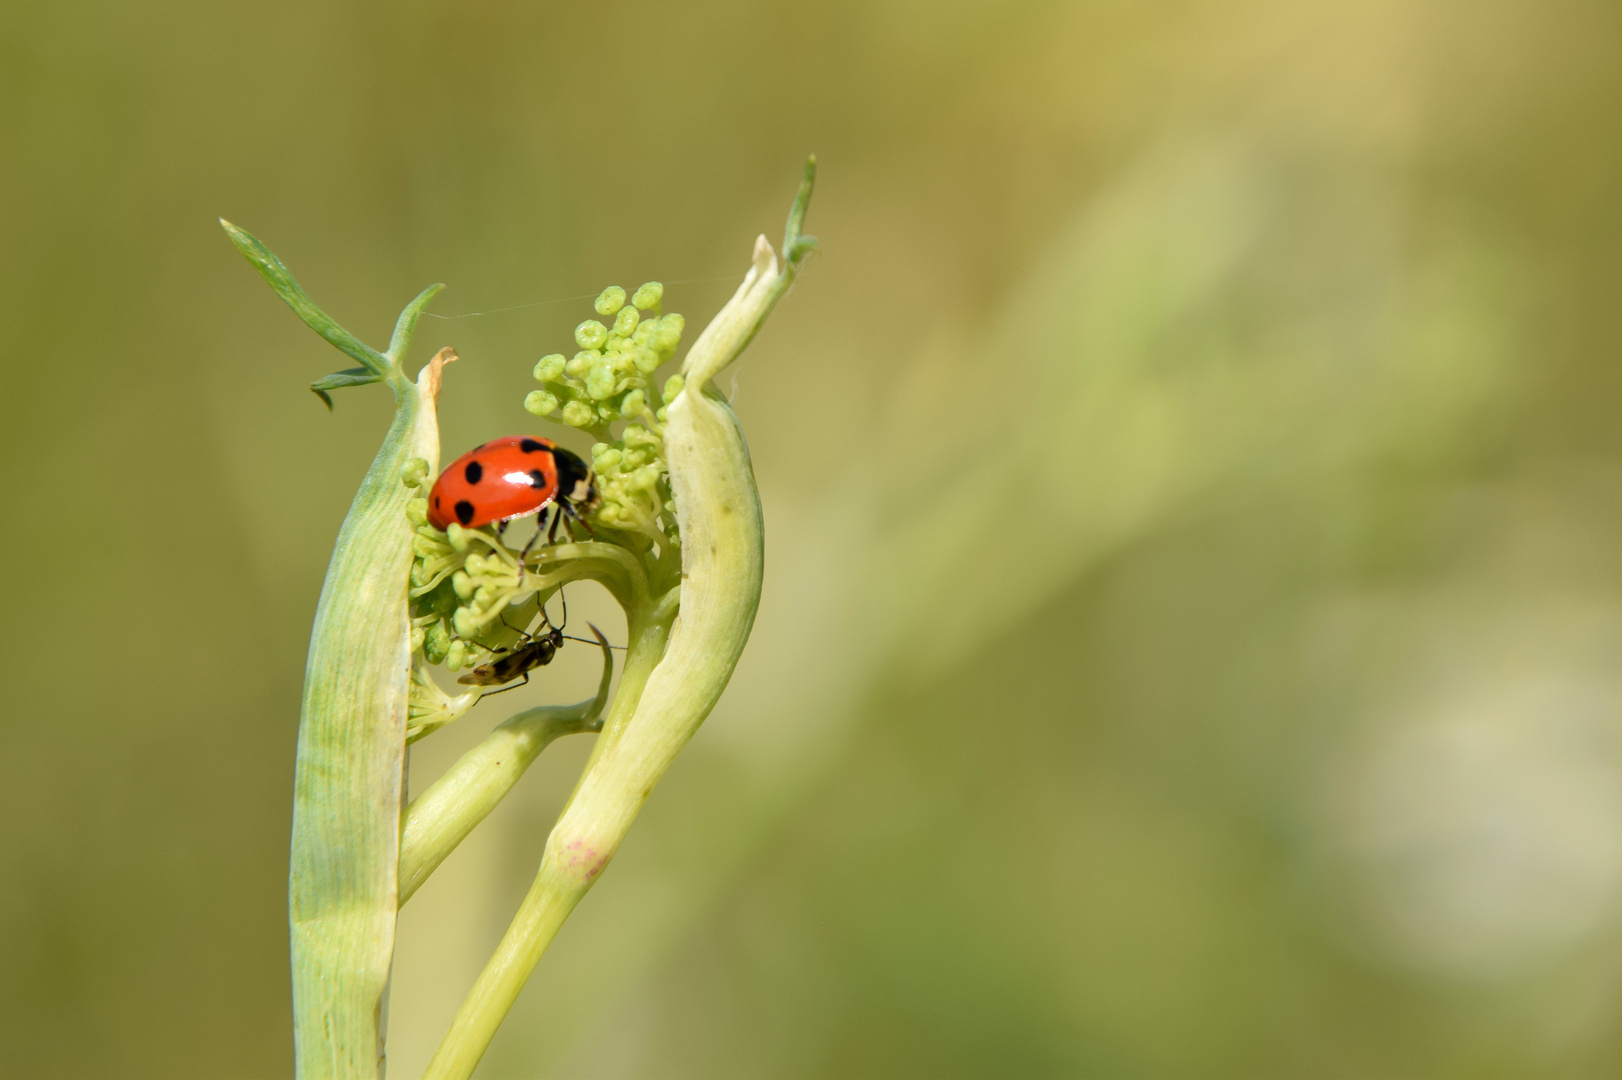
{"points": [[442, 816], [550, 899], [635, 577]]}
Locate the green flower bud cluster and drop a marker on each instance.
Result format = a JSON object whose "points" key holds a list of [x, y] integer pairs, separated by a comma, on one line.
{"points": [[633, 485], [611, 376]]}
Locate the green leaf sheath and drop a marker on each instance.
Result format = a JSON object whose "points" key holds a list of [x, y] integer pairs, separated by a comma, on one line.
{"points": [[349, 780], [348, 784], [343, 887]]}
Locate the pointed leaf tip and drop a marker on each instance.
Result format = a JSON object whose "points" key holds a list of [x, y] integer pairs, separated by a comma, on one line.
{"points": [[339, 379], [797, 245]]}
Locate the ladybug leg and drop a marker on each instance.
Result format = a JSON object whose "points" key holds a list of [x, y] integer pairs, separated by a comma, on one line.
{"points": [[522, 555], [575, 518]]}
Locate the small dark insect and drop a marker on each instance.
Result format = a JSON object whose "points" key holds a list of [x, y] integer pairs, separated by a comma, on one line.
{"points": [[535, 650]]}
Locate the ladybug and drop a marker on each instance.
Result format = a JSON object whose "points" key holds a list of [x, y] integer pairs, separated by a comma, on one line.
{"points": [[507, 478]]}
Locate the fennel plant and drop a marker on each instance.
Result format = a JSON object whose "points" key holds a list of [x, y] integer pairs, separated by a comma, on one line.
{"points": [[677, 539]]}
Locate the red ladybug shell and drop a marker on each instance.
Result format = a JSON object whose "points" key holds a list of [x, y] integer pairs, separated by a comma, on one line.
{"points": [[503, 479]]}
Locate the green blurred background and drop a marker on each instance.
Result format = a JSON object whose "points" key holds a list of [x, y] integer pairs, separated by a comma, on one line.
{"points": [[1192, 477]]}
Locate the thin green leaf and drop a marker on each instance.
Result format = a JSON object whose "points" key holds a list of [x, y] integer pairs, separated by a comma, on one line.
{"points": [[272, 270], [406, 325], [358, 376]]}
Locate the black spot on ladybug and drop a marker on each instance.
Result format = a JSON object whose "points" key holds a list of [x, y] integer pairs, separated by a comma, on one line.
{"points": [[537, 478], [529, 446], [474, 472], [464, 511]]}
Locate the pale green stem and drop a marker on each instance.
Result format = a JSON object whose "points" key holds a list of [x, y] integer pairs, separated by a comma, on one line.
{"points": [[542, 911], [442, 816], [648, 633]]}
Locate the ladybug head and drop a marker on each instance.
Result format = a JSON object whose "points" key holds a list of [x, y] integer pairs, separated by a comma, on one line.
{"points": [[575, 482]]}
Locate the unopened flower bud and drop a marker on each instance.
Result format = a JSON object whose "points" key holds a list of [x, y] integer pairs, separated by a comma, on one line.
{"points": [[591, 334], [637, 435], [414, 472], [610, 300], [437, 643], [648, 296], [462, 584], [417, 511], [673, 387], [665, 342], [541, 403], [601, 381], [625, 322], [549, 368], [578, 414]]}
